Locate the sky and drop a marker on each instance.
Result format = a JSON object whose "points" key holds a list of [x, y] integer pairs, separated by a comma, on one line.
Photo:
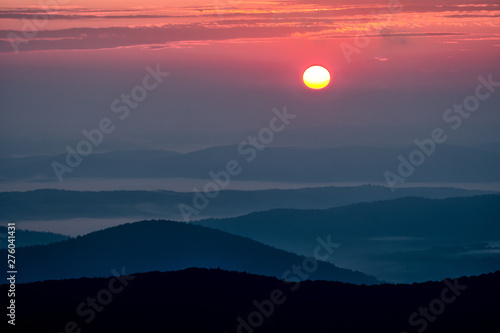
{"points": [[396, 67]]}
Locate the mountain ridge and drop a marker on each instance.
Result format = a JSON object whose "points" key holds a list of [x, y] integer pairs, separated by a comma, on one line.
{"points": [[63, 204], [405, 239], [344, 164], [164, 245], [223, 301]]}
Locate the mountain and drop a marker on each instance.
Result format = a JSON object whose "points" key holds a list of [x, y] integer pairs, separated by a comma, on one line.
{"points": [[166, 246], [400, 240], [201, 300], [29, 238], [60, 204], [340, 164]]}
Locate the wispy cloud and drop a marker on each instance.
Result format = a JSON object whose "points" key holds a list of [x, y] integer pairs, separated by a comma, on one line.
{"points": [[77, 27]]}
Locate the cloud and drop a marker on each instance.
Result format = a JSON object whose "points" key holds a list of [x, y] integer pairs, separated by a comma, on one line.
{"points": [[470, 16], [299, 18], [80, 16], [98, 38]]}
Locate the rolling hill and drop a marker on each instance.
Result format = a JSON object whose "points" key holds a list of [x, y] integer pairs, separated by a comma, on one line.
{"points": [[401, 240], [60, 204], [165, 246], [201, 300], [340, 164], [29, 238]]}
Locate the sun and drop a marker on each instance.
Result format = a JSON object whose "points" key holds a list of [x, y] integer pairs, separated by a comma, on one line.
{"points": [[316, 77]]}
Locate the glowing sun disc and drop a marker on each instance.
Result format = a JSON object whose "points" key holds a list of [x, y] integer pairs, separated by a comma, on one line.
{"points": [[316, 77]]}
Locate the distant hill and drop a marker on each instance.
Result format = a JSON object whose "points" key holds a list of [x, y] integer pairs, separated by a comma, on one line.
{"points": [[341, 164], [163, 245], [404, 240], [59, 204], [211, 301], [29, 238]]}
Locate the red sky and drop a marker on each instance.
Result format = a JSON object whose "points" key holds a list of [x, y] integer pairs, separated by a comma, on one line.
{"points": [[231, 62]]}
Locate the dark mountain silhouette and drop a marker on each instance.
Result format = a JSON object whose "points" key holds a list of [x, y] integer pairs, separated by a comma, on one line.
{"points": [[163, 245], [341, 164], [59, 204], [29, 238], [200, 300], [405, 240]]}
